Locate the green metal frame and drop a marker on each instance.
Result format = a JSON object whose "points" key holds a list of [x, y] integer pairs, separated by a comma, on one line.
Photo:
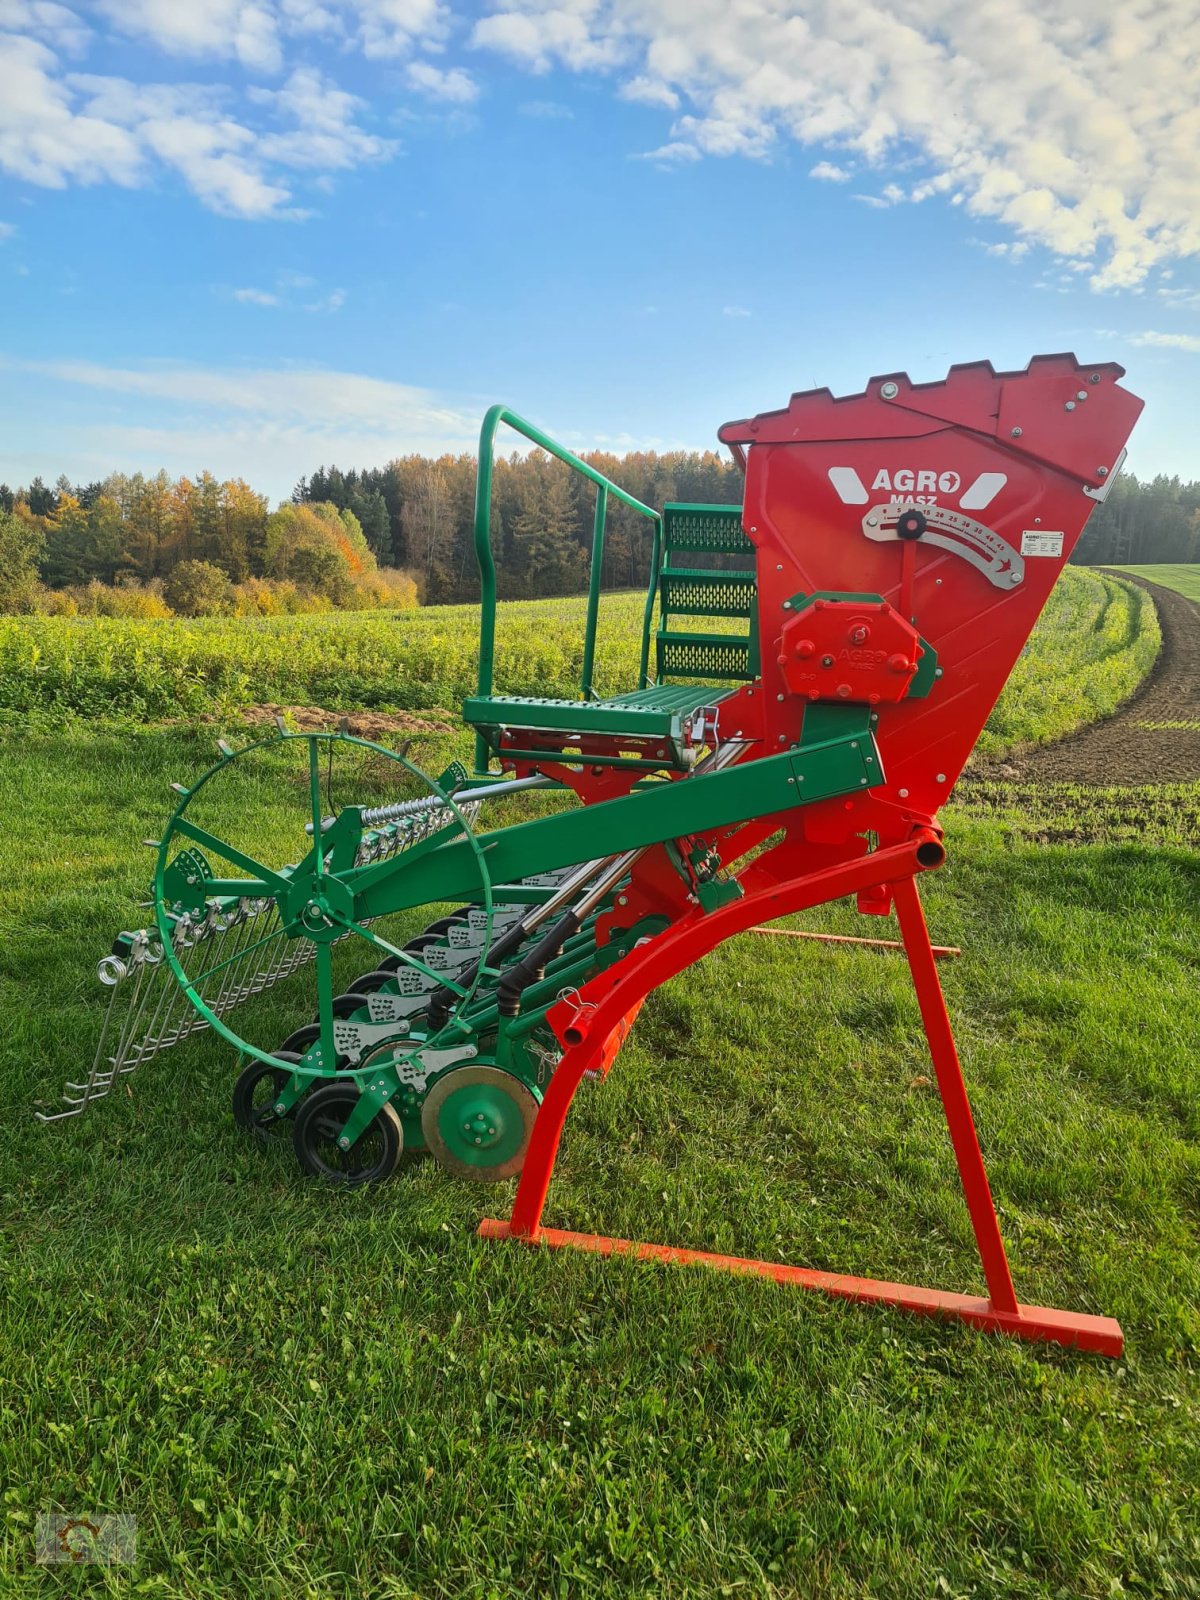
{"points": [[500, 415]]}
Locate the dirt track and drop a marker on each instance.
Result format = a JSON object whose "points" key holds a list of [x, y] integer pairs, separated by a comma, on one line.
{"points": [[1154, 737]]}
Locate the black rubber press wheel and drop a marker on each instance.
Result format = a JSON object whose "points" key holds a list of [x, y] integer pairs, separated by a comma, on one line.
{"points": [[318, 1127]]}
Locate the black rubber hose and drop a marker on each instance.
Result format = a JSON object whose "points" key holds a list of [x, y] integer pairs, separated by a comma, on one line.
{"points": [[532, 966], [441, 1000]]}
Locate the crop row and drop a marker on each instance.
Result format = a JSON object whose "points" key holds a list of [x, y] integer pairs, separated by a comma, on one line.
{"points": [[1095, 642]]}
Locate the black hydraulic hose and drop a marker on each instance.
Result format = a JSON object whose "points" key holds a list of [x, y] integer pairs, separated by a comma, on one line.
{"points": [[533, 964], [441, 999]]}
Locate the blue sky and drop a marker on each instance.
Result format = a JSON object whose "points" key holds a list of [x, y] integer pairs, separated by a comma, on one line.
{"points": [[255, 236]]}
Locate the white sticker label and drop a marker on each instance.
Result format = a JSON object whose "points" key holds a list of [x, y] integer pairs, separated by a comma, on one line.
{"points": [[1036, 543]]}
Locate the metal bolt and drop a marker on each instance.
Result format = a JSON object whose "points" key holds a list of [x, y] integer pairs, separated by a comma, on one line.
{"points": [[779, 697], [622, 900], [937, 671], [1095, 378], [1070, 406], [941, 777], [753, 530], [343, 1143], [783, 738], [1102, 472], [1016, 433], [937, 583], [787, 605], [854, 744], [1082, 395], [889, 391], [778, 569], [903, 793]]}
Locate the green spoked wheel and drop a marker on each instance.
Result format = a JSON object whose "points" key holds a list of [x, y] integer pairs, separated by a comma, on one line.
{"points": [[478, 1120], [232, 925], [323, 1150]]}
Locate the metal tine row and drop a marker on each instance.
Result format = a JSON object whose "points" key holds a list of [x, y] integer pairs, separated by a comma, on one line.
{"points": [[144, 984]]}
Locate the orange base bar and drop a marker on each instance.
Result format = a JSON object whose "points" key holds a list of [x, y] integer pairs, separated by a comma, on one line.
{"points": [[1100, 1334], [941, 952]]}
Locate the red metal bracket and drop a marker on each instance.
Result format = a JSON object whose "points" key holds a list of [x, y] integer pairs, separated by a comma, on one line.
{"points": [[587, 1027]]}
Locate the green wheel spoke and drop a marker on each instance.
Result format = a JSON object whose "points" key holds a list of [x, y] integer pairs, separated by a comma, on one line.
{"points": [[325, 1004], [238, 955], [407, 957], [314, 794], [271, 880]]}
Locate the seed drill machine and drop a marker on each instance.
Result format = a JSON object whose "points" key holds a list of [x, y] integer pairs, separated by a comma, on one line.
{"points": [[815, 667]]}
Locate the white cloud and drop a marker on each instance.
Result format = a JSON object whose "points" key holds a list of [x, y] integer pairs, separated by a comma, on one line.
{"points": [[538, 36], [55, 23], [734, 311], [453, 84], [1011, 250], [334, 301], [43, 140], [246, 30], [267, 425], [57, 129], [1179, 299], [1168, 341], [649, 92], [549, 110], [256, 297], [7, 230], [255, 32], [827, 172], [384, 28], [325, 136], [673, 154], [1075, 128]]}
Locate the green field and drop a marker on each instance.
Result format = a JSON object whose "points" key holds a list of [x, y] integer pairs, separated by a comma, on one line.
{"points": [[1183, 577], [302, 1393], [1095, 642]]}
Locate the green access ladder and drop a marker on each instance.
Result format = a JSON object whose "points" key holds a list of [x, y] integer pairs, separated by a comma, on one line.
{"points": [[657, 710], [701, 592]]}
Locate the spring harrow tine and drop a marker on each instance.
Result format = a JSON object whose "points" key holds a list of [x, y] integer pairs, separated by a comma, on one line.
{"points": [[157, 1014]]}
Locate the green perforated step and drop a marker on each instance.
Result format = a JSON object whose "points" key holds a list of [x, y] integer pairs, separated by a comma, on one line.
{"points": [[686, 592], [656, 713], [706, 655], [715, 530]]}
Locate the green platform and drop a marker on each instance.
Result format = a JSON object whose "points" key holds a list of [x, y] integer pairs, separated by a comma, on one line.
{"points": [[660, 712]]}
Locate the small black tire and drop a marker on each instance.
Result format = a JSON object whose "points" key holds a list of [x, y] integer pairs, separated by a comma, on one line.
{"points": [[318, 1125], [372, 982], [254, 1095], [302, 1039], [344, 1005]]}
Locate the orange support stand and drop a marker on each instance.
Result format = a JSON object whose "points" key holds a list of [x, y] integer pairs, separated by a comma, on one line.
{"points": [[586, 1027], [941, 952]]}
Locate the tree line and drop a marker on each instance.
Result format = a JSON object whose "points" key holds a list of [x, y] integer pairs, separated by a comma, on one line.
{"points": [[156, 545], [542, 517], [138, 546], [419, 513]]}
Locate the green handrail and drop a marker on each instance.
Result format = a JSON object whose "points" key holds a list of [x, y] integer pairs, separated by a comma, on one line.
{"points": [[605, 487]]}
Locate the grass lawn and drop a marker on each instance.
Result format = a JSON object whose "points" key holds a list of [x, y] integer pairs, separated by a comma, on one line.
{"points": [[1182, 576], [305, 1393]]}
